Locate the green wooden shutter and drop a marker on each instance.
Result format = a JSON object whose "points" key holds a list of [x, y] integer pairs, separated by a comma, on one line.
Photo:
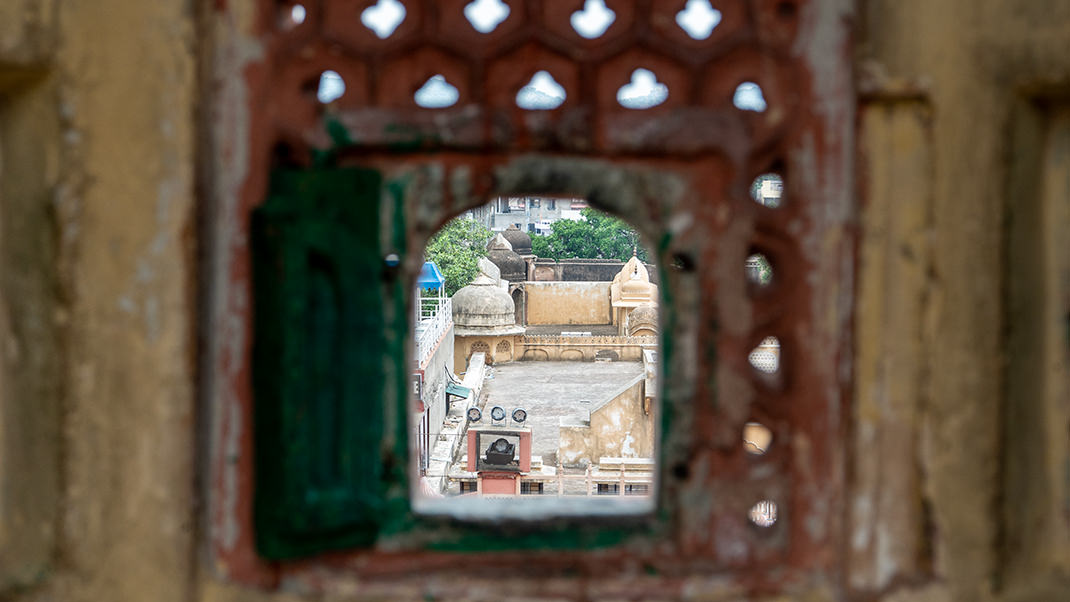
{"points": [[322, 345]]}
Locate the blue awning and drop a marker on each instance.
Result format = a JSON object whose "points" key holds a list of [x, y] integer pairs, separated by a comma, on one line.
{"points": [[430, 276], [457, 390]]}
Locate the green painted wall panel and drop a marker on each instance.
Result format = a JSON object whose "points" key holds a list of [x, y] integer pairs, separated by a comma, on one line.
{"points": [[320, 341], [330, 379]]}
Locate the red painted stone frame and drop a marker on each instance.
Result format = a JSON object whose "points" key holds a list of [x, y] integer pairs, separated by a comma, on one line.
{"points": [[262, 108]]}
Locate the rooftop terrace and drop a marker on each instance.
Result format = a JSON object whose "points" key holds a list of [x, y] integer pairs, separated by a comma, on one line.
{"points": [[550, 391]]}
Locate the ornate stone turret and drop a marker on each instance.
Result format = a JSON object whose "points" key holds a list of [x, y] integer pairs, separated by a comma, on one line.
{"points": [[500, 251], [631, 289], [631, 286], [635, 289], [519, 239]]}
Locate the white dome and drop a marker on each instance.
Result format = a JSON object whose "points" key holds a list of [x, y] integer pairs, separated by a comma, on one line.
{"points": [[483, 303]]}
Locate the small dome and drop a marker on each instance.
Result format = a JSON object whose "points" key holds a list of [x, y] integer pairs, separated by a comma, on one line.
{"points": [[512, 266], [643, 317], [519, 240], [488, 269], [499, 243], [483, 303]]}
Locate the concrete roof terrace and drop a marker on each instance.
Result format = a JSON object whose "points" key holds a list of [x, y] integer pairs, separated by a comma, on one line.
{"points": [[550, 391]]}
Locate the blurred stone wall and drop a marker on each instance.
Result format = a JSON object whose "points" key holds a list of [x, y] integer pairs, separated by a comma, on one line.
{"points": [[956, 466]]}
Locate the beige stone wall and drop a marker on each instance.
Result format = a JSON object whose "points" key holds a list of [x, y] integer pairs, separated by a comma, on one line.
{"points": [[1036, 502], [29, 368], [568, 303], [587, 349], [501, 348], [956, 161], [98, 290], [956, 475], [618, 428]]}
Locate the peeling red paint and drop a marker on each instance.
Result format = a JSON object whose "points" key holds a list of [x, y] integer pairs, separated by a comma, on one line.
{"points": [[698, 138]]}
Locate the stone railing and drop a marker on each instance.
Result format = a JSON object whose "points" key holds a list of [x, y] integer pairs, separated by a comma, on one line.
{"points": [[583, 348], [585, 341]]}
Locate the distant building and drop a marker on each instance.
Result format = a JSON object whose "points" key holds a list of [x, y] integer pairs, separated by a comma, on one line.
{"points": [[508, 316], [589, 330], [587, 385], [768, 190], [528, 214]]}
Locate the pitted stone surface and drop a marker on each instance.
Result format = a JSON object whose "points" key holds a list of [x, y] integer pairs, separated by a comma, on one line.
{"points": [[501, 253], [483, 304], [519, 241]]}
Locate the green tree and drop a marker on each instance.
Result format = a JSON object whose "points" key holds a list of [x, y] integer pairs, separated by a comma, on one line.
{"points": [[759, 270], [597, 236], [456, 250]]}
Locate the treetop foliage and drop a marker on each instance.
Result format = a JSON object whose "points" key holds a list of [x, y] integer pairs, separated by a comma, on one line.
{"points": [[457, 247], [456, 250], [597, 236]]}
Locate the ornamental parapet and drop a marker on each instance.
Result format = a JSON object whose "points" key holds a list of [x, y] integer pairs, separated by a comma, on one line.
{"points": [[557, 339]]}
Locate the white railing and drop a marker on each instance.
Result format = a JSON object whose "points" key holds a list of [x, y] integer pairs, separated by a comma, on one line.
{"points": [[434, 318], [429, 306]]}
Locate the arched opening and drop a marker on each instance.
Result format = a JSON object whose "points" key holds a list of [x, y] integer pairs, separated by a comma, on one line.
{"points": [[503, 351], [480, 347], [554, 319], [518, 303]]}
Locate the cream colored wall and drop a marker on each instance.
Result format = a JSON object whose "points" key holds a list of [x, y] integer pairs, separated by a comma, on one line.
{"points": [[618, 428], [554, 347], [955, 95], [574, 445], [107, 88], [462, 350], [29, 370], [568, 303], [99, 101]]}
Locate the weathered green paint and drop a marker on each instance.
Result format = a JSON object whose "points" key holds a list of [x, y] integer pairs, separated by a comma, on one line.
{"points": [[319, 346], [553, 536], [327, 405], [666, 355]]}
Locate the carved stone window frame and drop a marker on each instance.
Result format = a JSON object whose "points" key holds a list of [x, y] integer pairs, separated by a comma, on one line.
{"points": [[680, 172]]}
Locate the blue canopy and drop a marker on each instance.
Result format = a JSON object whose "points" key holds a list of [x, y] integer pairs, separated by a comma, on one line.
{"points": [[430, 276], [458, 391]]}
